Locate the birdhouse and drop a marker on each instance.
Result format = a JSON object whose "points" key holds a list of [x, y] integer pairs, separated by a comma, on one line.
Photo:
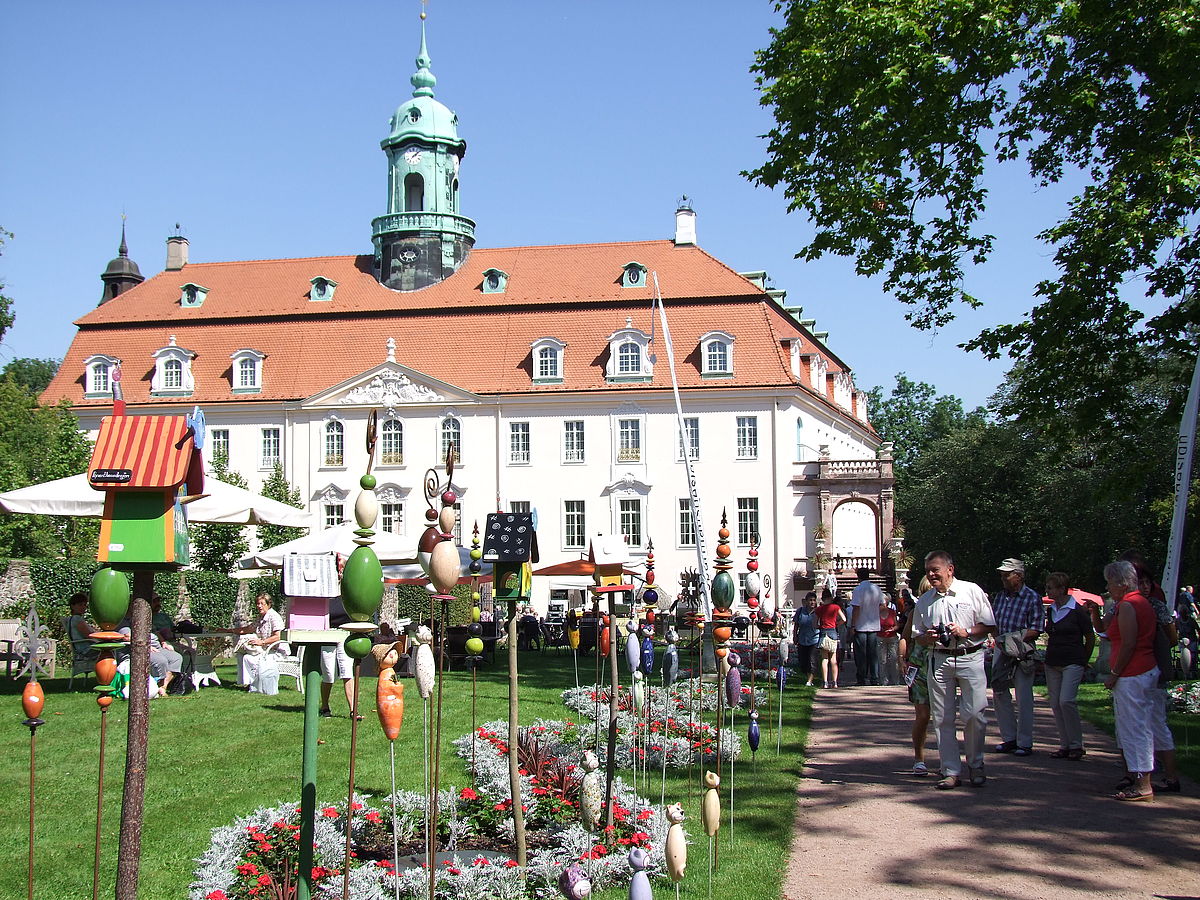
{"points": [[148, 468], [310, 581], [510, 545], [609, 553]]}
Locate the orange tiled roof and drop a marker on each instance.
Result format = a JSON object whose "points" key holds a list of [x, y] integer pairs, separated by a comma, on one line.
{"points": [[450, 331]]}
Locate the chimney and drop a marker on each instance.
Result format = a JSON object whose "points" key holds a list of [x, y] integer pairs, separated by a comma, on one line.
{"points": [[177, 251], [685, 223]]}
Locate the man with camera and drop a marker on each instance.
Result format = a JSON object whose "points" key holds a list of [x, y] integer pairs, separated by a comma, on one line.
{"points": [[953, 619]]}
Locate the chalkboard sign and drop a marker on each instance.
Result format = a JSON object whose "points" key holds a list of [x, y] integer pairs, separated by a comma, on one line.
{"points": [[509, 537]]}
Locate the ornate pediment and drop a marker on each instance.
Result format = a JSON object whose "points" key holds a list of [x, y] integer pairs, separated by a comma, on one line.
{"points": [[390, 388]]}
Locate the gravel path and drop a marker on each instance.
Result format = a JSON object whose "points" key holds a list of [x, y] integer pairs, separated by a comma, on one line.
{"points": [[1040, 828]]}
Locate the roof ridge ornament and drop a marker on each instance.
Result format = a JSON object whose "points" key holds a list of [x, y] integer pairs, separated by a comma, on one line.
{"points": [[423, 80]]}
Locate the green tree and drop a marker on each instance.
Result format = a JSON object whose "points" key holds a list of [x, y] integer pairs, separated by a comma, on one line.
{"points": [[217, 548], [913, 418], [40, 443], [277, 487], [34, 374], [889, 113], [7, 316]]}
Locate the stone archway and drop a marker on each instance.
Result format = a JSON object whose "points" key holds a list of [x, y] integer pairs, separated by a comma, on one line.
{"points": [[855, 535]]}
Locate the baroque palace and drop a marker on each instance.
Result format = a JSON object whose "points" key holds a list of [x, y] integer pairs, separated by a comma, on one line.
{"points": [[545, 368]]}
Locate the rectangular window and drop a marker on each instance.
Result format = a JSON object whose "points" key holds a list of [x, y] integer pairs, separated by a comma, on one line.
{"points": [[100, 382], [631, 522], [742, 586], [747, 437], [747, 520], [334, 514], [247, 373], [218, 441], [458, 524], [391, 517], [519, 506], [518, 443], [687, 525], [689, 439], [574, 524], [573, 441], [629, 440], [270, 448]]}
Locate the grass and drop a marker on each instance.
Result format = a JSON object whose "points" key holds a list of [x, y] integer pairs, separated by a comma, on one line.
{"points": [[1095, 705], [220, 753]]}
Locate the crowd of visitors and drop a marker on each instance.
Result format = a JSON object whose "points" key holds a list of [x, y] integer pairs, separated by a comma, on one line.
{"points": [[952, 642]]}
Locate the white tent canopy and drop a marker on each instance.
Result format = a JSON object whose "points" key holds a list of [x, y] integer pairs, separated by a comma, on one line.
{"points": [[226, 504], [390, 548]]}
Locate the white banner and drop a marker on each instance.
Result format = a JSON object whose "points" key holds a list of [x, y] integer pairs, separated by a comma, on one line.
{"points": [[1184, 451]]}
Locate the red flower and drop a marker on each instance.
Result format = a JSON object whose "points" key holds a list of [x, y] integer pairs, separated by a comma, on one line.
{"points": [[510, 864], [356, 806], [329, 812], [480, 861], [454, 871], [264, 879], [216, 895], [645, 814], [468, 794], [247, 869]]}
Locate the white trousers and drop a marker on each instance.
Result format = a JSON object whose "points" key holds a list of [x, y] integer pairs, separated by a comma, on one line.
{"points": [[961, 678], [1135, 699]]}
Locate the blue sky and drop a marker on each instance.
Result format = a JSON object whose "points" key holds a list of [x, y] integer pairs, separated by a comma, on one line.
{"points": [[257, 127]]}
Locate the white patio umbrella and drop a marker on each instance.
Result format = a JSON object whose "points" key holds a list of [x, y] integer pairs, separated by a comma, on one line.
{"points": [[390, 548], [226, 504]]}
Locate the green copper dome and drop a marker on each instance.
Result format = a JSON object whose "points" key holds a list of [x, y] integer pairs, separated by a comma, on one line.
{"points": [[422, 117]]}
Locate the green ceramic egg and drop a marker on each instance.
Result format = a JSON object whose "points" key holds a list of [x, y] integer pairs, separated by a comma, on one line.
{"points": [[109, 597], [362, 584], [475, 645], [357, 646]]}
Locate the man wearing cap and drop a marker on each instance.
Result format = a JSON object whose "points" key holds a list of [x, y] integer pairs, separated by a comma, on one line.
{"points": [[953, 619], [1017, 608]]}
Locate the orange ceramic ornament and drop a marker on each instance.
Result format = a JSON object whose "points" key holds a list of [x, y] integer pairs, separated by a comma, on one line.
{"points": [[32, 700], [389, 694]]}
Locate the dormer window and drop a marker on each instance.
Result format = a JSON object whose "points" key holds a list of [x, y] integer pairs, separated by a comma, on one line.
{"points": [[628, 355], [98, 375], [494, 281], [246, 371], [322, 288], [548, 361], [716, 354], [172, 370], [192, 295], [634, 275]]}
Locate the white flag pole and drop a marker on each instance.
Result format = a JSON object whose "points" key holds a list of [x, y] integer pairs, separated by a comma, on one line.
{"points": [[693, 492], [1184, 452]]}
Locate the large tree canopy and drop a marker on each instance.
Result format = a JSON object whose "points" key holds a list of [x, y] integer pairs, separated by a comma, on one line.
{"points": [[889, 113]]}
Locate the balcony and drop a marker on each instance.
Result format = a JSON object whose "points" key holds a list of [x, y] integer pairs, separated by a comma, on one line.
{"points": [[423, 222]]}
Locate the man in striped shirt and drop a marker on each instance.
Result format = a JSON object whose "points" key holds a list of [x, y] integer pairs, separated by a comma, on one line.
{"points": [[1017, 607]]}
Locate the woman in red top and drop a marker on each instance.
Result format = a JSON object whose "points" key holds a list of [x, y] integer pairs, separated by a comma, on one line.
{"points": [[829, 616], [1134, 677]]}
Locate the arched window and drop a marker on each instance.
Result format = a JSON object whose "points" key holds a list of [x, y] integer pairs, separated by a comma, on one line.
{"points": [[548, 363], [99, 380], [172, 375], [451, 439], [799, 439], [391, 445], [718, 356], [414, 193], [629, 359], [335, 440], [247, 373]]}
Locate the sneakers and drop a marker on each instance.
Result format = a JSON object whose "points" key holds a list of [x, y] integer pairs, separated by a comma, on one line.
{"points": [[919, 769], [326, 712]]}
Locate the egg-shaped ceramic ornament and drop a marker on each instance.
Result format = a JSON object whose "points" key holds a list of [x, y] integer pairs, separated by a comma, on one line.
{"points": [[753, 736], [426, 670], [710, 807], [362, 584], [733, 682], [109, 600]]}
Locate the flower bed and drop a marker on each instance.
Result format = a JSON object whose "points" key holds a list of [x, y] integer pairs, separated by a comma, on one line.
{"points": [[1185, 697]]}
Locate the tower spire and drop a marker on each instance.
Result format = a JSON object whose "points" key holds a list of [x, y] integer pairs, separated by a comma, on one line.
{"points": [[423, 80]]}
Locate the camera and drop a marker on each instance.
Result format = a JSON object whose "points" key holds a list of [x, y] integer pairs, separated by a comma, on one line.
{"points": [[944, 635]]}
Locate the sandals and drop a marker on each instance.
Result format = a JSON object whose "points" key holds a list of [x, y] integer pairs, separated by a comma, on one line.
{"points": [[1132, 796], [1168, 786], [1072, 753], [920, 770], [948, 783]]}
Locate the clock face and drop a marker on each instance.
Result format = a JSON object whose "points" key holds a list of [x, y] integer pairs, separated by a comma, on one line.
{"points": [[412, 157]]}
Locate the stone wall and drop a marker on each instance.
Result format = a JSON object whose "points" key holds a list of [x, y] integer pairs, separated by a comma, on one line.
{"points": [[16, 590]]}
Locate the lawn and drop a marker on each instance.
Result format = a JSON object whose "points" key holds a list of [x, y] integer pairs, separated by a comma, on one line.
{"points": [[220, 753], [1095, 705]]}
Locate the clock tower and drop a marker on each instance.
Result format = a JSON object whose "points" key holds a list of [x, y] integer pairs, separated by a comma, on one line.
{"points": [[422, 239]]}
